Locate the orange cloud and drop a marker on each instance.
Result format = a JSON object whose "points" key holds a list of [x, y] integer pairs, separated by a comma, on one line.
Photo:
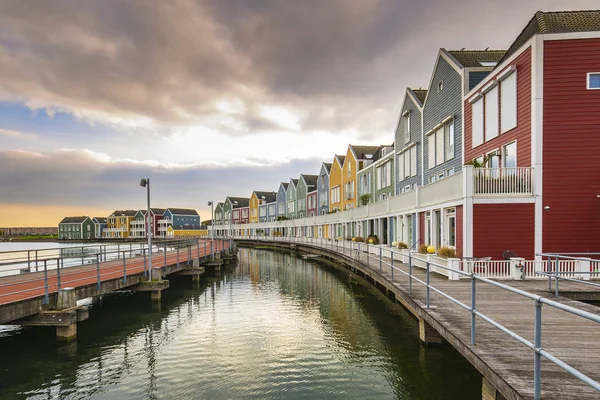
{"points": [[26, 215]]}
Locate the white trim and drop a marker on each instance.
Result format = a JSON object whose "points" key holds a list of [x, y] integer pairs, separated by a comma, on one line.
{"points": [[473, 99], [504, 74], [405, 148], [489, 86], [570, 35], [504, 200], [587, 81], [537, 136], [405, 113]]}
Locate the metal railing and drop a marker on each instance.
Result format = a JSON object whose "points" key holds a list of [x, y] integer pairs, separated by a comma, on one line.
{"points": [[581, 270], [502, 180], [54, 273], [375, 255]]}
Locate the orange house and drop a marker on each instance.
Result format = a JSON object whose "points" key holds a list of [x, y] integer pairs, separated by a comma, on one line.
{"points": [[335, 183]]}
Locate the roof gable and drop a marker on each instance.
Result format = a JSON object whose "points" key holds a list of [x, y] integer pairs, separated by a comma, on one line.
{"points": [[363, 152], [74, 220], [183, 211]]}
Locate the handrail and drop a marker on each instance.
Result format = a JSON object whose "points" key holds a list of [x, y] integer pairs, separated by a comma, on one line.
{"points": [[535, 346]]}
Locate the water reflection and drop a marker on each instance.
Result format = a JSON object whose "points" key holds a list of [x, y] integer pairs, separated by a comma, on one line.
{"points": [[274, 327]]}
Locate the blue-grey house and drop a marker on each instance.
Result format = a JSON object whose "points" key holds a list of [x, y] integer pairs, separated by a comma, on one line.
{"points": [[291, 197], [454, 73], [408, 141], [100, 224], [282, 199], [181, 218], [264, 199], [323, 188]]}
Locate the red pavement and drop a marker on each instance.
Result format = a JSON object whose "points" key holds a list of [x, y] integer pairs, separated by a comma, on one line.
{"points": [[29, 286]]}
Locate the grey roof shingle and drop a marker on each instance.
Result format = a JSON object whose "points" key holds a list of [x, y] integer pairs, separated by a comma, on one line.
{"points": [[285, 185], [73, 220], [363, 152], [241, 202], [474, 58], [311, 180], [126, 213], [183, 211], [420, 94], [158, 211], [269, 197], [100, 220], [556, 22], [295, 181], [327, 166], [341, 159]]}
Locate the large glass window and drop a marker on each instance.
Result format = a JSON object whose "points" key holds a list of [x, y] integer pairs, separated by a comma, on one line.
{"points": [[509, 155], [477, 122], [508, 102], [593, 80]]}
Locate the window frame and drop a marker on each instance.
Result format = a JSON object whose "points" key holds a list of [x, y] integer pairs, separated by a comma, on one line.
{"points": [[587, 80]]}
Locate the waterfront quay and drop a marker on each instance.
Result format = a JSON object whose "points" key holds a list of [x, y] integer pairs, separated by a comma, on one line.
{"points": [[524, 340], [49, 296]]}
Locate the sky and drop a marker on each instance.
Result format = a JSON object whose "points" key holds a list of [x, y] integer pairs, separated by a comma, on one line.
{"points": [[210, 98]]}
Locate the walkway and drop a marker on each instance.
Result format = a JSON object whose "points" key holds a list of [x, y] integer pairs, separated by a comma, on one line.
{"points": [[501, 359]]}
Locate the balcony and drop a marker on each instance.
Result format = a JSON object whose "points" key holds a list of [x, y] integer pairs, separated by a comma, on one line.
{"points": [[502, 181]]}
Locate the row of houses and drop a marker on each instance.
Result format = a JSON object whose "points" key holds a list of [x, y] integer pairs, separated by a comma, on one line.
{"points": [[497, 152], [122, 224]]}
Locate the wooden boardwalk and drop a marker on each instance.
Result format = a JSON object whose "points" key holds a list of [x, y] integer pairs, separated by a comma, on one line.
{"points": [[31, 286], [572, 339]]}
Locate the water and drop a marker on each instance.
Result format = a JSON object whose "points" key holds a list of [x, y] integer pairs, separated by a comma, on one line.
{"points": [[275, 327]]}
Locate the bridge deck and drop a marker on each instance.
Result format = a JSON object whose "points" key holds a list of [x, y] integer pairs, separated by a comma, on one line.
{"points": [[570, 338], [16, 288]]}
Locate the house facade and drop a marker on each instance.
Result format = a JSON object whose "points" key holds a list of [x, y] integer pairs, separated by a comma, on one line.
{"points": [[323, 188], [290, 196], [335, 183], [100, 224], [408, 142], [306, 184], [76, 228], [357, 157], [282, 200], [118, 224]]}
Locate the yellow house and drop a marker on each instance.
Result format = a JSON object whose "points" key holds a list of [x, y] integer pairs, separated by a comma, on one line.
{"points": [[258, 199], [335, 183], [185, 232], [118, 224], [357, 157]]}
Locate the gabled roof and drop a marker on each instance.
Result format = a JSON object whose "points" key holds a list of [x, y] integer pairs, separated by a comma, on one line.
{"points": [[100, 220], [269, 197], [556, 22], [475, 58], [340, 159], [327, 166], [239, 202], [294, 182], [419, 94], [158, 211], [73, 220], [364, 152], [310, 180], [125, 213], [379, 154], [183, 211], [285, 185]]}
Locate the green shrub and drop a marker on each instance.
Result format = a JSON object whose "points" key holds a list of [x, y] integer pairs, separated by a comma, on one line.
{"points": [[358, 239], [423, 249], [374, 237], [402, 245]]}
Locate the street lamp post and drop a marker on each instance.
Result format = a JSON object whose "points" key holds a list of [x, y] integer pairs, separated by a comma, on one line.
{"points": [[145, 182], [212, 226]]}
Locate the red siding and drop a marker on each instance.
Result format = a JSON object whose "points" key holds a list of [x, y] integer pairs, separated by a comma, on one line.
{"points": [[421, 230], [459, 231], [571, 170], [499, 227], [522, 132], [314, 201]]}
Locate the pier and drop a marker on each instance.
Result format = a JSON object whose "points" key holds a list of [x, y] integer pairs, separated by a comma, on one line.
{"points": [[526, 342], [49, 296]]}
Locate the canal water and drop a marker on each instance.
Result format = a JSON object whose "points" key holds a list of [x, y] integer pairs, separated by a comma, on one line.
{"points": [[274, 327]]}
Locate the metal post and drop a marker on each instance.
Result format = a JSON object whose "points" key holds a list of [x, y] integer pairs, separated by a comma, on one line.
{"points": [[556, 277], [392, 266], [380, 260], [178, 256], [548, 270], [145, 266], [97, 272], [427, 285], [36, 261], [473, 307], [118, 250], [124, 269], [165, 255], [537, 358], [81, 255], [28, 261], [58, 272], [409, 274], [46, 297]]}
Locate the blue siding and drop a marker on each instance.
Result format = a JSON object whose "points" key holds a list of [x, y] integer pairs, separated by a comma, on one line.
{"points": [[167, 214], [264, 218], [439, 106], [415, 137], [281, 198], [186, 221], [323, 188], [475, 77], [291, 196]]}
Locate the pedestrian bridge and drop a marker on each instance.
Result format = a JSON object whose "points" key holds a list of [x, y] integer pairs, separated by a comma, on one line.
{"points": [[526, 337]]}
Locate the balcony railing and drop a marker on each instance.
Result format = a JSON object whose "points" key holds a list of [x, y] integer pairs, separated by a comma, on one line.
{"points": [[494, 181]]}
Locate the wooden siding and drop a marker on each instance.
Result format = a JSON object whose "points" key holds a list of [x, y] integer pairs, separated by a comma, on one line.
{"points": [[314, 210], [281, 198], [421, 230], [522, 132], [439, 106], [571, 171], [499, 227], [415, 137], [351, 203], [253, 208], [323, 187], [335, 179], [459, 231]]}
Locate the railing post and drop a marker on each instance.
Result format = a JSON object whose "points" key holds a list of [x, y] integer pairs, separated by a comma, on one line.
{"points": [[380, 260], [473, 308], [392, 264], [409, 274], [178, 256], [118, 250], [28, 261], [124, 269], [36, 261], [58, 272], [537, 358], [165, 256], [427, 298], [556, 267], [145, 266], [46, 297], [548, 270], [97, 272]]}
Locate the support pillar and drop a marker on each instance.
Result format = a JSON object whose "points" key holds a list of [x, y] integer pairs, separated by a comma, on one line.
{"points": [[156, 295], [427, 333], [489, 392], [66, 333]]}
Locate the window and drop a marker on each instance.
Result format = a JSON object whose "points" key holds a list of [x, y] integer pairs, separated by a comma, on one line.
{"points": [[508, 102], [349, 169], [349, 190], [593, 80], [440, 86], [441, 145], [509, 155], [451, 227], [406, 121], [449, 138], [491, 113], [384, 176], [335, 194], [477, 122], [407, 164]]}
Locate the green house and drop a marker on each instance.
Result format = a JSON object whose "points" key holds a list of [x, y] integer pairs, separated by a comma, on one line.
{"points": [[77, 228]]}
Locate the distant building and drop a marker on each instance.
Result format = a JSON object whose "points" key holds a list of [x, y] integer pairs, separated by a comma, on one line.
{"points": [[52, 230], [76, 228]]}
